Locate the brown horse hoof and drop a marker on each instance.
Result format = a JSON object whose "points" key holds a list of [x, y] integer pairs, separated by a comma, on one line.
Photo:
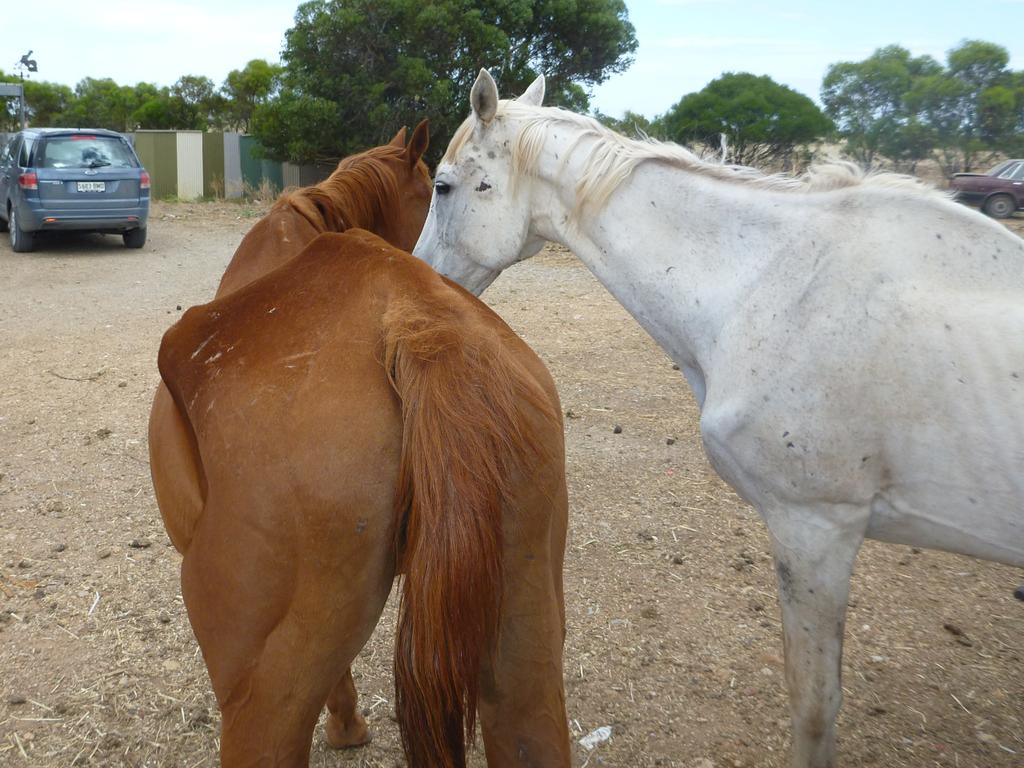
{"points": [[355, 734]]}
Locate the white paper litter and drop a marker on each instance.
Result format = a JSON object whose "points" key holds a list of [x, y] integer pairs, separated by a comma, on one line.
{"points": [[596, 736]]}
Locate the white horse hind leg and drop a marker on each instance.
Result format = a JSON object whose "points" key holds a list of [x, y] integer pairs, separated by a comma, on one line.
{"points": [[814, 552]]}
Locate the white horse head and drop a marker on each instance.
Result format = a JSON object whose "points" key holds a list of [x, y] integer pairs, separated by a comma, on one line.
{"points": [[479, 220], [517, 174]]}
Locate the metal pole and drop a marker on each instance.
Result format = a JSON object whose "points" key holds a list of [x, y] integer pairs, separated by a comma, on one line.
{"points": [[21, 101]]}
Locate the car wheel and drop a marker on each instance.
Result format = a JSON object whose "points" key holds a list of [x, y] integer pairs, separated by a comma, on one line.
{"points": [[21, 241], [999, 206], [134, 238]]}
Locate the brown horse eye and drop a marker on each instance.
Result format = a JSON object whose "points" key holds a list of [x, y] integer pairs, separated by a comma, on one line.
{"points": [[443, 188]]}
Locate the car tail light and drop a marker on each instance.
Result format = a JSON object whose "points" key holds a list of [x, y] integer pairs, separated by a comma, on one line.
{"points": [[144, 180], [28, 181]]}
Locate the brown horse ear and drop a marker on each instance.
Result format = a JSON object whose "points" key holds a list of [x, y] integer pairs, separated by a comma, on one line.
{"points": [[399, 140], [419, 142]]}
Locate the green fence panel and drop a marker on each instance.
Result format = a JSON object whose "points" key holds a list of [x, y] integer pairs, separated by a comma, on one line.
{"points": [[274, 173], [251, 172], [158, 151], [256, 170], [213, 165]]}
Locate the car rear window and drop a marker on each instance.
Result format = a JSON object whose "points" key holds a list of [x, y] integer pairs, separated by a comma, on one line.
{"points": [[85, 151], [25, 153]]}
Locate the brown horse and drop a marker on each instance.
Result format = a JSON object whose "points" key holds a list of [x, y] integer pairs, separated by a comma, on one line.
{"points": [[348, 416], [385, 190]]}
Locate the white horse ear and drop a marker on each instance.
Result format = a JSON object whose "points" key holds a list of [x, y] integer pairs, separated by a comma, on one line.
{"points": [[534, 95], [484, 97]]}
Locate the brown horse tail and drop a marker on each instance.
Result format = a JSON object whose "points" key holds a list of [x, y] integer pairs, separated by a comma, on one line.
{"points": [[470, 412]]}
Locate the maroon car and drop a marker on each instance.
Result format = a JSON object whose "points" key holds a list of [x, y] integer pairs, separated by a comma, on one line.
{"points": [[998, 193]]}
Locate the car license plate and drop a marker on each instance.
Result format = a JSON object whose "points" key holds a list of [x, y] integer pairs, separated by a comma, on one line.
{"points": [[92, 186]]}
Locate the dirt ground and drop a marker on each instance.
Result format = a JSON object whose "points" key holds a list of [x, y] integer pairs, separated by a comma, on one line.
{"points": [[673, 629]]}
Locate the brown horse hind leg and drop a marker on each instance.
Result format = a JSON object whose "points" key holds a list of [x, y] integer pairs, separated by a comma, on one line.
{"points": [[272, 650], [522, 696], [345, 726]]}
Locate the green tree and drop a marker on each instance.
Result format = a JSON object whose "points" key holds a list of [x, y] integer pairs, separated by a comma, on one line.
{"points": [[195, 103], [357, 70], [156, 110], [46, 102], [979, 64], [997, 113], [981, 107], [1015, 141], [942, 102], [764, 123], [893, 105], [100, 103], [906, 143], [279, 126], [247, 88], [866, 99]]}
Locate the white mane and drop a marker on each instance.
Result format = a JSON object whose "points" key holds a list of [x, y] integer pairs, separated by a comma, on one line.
{"points": [[612, 157]]}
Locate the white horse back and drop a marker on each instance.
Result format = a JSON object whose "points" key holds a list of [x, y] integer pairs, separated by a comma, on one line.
{"points": [[885, 366]]}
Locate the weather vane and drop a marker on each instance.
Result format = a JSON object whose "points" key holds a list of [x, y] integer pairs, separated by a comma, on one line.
{"points": [[27, 65]]}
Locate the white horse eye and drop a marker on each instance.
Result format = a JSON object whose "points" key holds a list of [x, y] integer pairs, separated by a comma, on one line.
{"points": [[442, 187]]}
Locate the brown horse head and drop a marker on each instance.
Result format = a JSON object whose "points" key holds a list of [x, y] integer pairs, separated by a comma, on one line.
{"points": [[403, 218], [385, 190]]}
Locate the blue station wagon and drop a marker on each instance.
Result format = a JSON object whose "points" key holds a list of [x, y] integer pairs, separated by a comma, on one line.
{"points": [[72, 179]]}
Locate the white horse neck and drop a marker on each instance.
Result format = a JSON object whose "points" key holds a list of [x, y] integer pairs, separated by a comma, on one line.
{"points": [[677, 249]]}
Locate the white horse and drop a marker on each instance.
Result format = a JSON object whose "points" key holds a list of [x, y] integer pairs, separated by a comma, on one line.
{"points": [[855, 341]]}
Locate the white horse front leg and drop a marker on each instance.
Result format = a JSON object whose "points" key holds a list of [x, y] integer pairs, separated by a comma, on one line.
{"points": [[814, 553]]}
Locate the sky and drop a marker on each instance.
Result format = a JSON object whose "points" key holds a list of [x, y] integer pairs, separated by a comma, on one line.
{"points": [[683, 44]]}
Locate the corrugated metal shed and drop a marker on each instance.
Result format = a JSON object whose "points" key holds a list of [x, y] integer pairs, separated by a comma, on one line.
{"points": [[158, 151], [190, 164], [232, 166], [213, 165]]}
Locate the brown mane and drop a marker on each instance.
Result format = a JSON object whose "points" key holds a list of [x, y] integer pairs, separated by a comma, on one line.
{"points": [[361, 192]]}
